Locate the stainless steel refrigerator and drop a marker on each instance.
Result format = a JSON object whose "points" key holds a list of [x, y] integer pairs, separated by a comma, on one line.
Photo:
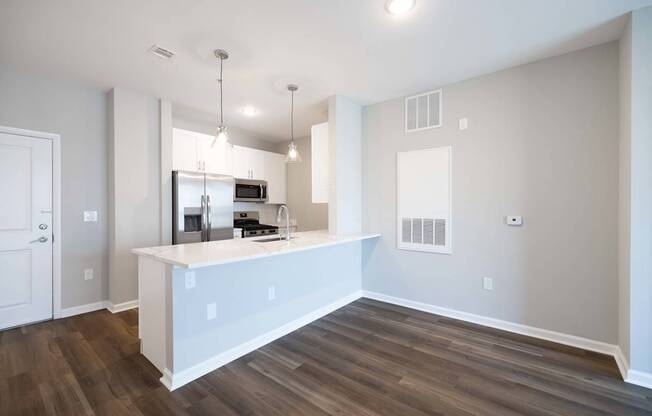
{"points": [[202, 207]]}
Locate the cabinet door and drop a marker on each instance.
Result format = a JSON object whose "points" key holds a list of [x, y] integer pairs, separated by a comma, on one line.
{"points": [[257, 164], [217, 158], [241, 162], [184, 150], [275, 175]]}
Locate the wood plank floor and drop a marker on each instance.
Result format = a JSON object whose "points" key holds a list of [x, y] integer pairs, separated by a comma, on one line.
{"points": [[368, 358]]}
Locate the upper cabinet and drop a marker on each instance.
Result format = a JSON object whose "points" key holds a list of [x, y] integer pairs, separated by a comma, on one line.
{"points": [[275, 175], [195, 152], [319, 160], [248, 163]]}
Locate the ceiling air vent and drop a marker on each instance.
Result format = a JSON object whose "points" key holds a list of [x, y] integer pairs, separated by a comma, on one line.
{"points": [[161, 52], [423, 111]]}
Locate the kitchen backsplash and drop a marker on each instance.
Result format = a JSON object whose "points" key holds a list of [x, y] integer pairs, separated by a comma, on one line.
{"points": [[267, 211]]}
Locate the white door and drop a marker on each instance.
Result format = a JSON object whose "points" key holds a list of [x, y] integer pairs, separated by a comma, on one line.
{"points": [[276, 178], [184, 151], [25, 230]]}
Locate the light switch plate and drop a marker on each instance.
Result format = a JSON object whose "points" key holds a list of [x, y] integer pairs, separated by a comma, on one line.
{"points": [[211, 311], [464, 124], [90, 216], [190, 280], [271, 293], [514, 220], [88, 274], [487, 283]]}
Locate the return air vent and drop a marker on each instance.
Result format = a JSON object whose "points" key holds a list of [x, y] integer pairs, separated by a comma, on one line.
{"points": [[161, 52], [423, 111], [425, 200]]}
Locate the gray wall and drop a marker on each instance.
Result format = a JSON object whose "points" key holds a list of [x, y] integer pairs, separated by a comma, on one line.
{"points": [[624, 183], [78, 113], [542, 143], [309, 216], [640, 261], [134, 191]]}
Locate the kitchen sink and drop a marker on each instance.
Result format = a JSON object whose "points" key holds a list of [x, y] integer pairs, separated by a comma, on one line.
{"points": [[269, 240]]}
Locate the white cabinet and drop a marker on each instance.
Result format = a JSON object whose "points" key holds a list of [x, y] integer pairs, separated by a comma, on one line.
{"points": [[319, 160], [248, 163], [275, 175], [193, 151]]}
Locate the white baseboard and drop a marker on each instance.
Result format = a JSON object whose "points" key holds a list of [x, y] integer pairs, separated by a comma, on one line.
{"points": [[175, 380], [96, 306], [120, 307], [78, 310], [558, 337], [621, 362], [639, 378]]}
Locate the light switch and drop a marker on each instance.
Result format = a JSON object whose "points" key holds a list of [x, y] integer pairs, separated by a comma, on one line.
{"points": [[211, 311], [464, 124], [90, 216], [190, 280], [487, 283], [271, 293], [514, 220]]}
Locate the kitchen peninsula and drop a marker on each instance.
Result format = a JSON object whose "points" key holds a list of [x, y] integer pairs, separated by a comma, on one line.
{"points": [[204, 305]]}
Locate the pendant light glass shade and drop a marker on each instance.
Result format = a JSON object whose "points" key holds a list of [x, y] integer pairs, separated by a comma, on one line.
{"points": [[293, 155], [221, 136]]}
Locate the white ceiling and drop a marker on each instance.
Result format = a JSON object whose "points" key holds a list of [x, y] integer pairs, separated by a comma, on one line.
{"points": [[349, 47]]}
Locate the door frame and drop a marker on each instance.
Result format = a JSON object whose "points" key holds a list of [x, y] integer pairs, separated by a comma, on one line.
{"points": [[56, 209]]}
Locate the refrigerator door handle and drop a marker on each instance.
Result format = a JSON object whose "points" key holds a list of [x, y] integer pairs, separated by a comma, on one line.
{"points": [[208, 218], [203, 218]]}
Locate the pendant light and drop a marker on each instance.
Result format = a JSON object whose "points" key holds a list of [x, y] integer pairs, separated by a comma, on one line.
{"points": [[221, 135], [293, 155]]}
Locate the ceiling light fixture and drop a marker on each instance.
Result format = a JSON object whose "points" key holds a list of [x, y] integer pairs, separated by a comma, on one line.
{"points": [[221, 135], [293, 155], [399, 7], [249, 111]]}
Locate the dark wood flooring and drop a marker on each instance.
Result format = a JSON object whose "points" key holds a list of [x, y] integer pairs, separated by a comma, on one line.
{"points": [[368, 358]]}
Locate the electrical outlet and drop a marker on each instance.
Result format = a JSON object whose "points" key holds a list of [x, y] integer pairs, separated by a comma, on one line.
{"points": [[90, 216], [488, 283], [464, 124], [190, 280], [271, 293], [88, 274], [211, 311]]}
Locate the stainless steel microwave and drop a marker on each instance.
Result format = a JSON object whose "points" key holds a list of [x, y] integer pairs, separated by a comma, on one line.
{"points": [[249, 190]]}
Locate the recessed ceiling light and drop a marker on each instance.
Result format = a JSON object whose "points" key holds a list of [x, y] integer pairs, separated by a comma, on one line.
{"points": [[249, 111], [399, 7]]}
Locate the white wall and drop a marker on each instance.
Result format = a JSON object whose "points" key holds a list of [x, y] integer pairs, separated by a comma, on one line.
{"points": [[344, 168], [542, 143], [134, 187], [77, 112], [640, 260], [308, 216]]}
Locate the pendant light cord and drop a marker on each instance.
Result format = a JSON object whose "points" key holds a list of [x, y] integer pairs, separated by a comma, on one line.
{"points": [[292, 119], [221, 95]]}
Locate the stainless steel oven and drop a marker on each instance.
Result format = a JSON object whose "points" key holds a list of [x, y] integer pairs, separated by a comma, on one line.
{"points": [[249, 190]]}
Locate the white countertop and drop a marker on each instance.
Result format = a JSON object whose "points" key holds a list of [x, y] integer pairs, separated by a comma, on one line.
{"points": [[212, 253]]}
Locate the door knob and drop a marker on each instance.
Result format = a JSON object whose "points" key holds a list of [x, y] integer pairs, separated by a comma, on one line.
{"points": [[39, 240]]}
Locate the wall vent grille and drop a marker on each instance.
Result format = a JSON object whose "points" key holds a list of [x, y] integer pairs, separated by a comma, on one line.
{"points": [[426, 231], [161, 52], [423, 111]]}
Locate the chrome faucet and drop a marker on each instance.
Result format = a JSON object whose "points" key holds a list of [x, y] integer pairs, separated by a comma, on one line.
{"points": [[287, 220]]}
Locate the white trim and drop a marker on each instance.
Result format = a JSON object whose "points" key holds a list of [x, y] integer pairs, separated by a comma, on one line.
{"points": [[78, 310], [639, 378], [173, 380], [120, 307], [621, 362], [57, 312], [558, 337]]}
